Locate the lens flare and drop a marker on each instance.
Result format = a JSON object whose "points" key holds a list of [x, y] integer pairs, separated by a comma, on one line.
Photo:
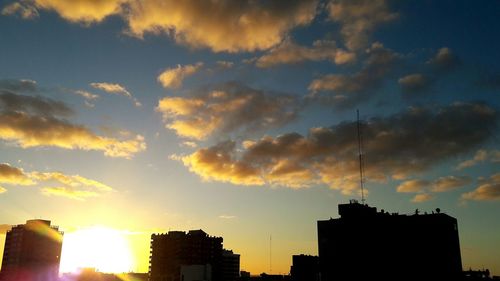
{"points": [[105, 249]]}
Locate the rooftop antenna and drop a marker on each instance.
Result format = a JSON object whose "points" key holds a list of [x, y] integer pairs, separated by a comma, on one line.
{"points": [[270, 253], [361, 159]]}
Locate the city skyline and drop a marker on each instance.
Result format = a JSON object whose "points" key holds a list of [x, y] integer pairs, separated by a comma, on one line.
{"points": [[123, 118]]}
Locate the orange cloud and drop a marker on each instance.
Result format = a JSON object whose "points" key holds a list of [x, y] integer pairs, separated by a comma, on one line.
{"points": [[290, 53], [13, 175], [413, 186], [71, 186], [423, 197], [82, 11], [35, 121], [173, 77], [347, 90], [489, 190], [227, 108], [359, 18], [68, 192], [327, 155], [225, 25], [481, 155], [444, 59], [217, 163], [449, 183], [69, 180], [442, 184], [32, 131], [414, 83]]}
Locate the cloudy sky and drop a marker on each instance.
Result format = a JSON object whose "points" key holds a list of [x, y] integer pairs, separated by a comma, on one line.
{"points": [[239, 117]]}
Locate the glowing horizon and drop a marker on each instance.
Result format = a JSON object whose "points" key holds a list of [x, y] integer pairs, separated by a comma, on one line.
{"points": [[239, 118], [102, 248]]}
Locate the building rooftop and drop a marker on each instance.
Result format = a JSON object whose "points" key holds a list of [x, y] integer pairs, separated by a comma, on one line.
{"points": [[354, 209]]}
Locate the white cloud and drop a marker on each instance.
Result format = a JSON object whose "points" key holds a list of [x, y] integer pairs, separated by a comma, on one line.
{"points": [[22, 8], [227, 217], [115, 88], [87, 95]]}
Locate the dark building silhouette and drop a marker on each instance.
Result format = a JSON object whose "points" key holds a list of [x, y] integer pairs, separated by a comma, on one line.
{"points": [[364, 244], [230, 266], [32, 252], [472, 275], [171, 251], [304, 268], [196, 272], [264, 277]]}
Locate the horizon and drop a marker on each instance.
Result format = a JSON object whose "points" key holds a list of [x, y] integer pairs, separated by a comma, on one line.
{"points": [[123, 118], [99, 233]]}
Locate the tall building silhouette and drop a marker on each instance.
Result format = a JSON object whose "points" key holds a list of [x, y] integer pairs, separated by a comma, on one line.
{"points": [[364, 244], [304, 268], [230, 266], [32, 252], [175, 249]]}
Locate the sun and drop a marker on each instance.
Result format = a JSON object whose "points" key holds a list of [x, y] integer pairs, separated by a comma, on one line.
{"points": [[105, 249]]}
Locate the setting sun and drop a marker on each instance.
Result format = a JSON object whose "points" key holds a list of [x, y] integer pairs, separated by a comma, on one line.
{"points": [[122, 121], [105, 249]]}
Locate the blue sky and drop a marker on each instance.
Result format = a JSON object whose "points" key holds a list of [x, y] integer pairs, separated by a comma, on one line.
{"points": [[238, 117]]}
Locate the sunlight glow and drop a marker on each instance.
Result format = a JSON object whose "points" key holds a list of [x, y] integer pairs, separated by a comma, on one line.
{"points": [[105, 249]]}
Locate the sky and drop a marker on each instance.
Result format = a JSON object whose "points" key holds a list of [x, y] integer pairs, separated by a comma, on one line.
{"points": [[239, 118]]}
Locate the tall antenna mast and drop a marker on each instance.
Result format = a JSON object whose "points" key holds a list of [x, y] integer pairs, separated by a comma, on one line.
{"points": [[270, 254], [361, 159]]}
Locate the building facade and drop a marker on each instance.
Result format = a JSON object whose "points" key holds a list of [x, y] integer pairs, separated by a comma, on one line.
{"points": [[171, 251], [304, 268], [32, 252], [364, 244], [196, 272], [230, 266]]}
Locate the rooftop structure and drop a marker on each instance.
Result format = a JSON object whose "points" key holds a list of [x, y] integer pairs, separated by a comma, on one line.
{"points": [[32, 252], [364, 244]]}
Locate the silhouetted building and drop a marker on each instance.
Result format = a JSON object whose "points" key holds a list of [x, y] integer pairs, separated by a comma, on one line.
{"points": [[364, 244], [196, 272], [230, 266], [32, 252], [304, 268], [477, 275], [244, 275], [271, 277], [171, 251]]}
